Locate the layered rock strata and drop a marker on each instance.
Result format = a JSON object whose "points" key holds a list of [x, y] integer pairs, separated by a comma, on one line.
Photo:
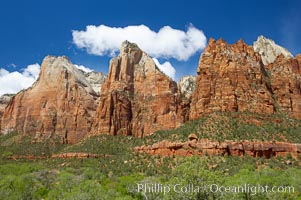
{"points": [[207, 147]]}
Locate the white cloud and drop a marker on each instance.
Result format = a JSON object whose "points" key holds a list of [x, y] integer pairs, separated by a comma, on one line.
{"points": [[12, 65], [85, 69], [32, 71], [167, 68], [166, 43], [3, 72], [13, 82]]}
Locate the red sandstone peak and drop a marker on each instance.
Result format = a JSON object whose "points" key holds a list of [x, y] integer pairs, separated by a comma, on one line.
{"points": [[234, 78], [60, 103], [136, 98]]}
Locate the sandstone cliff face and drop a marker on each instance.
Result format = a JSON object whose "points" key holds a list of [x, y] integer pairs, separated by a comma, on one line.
{"points": [[285, 79], [234, 78], [4, 100], [284, 73], [136, 98], [61, 102], [231, 78]]}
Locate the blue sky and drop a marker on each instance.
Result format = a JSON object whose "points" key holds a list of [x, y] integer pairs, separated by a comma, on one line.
{"points": [[30, 29]]}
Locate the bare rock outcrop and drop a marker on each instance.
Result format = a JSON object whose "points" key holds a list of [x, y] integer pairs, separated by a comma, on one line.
{"points": [[95, 79], [136, 98], [231, 78], [269, 50], [234, 148], [234, 78], [186, 86], [61, 103], [4, 100], [285, 81]]}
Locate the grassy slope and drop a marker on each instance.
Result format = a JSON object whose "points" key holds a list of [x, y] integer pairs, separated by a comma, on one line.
{"points": [[115, 176], [236, 126]]}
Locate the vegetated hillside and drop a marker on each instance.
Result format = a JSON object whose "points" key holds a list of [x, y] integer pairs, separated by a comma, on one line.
{"points": [[237, 126], [220, 126], [116, 174]]}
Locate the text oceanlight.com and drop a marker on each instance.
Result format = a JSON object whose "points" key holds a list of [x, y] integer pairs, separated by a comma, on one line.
{"points": [[157, 188]]}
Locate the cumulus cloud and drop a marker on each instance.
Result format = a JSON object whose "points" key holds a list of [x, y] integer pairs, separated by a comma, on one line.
{"points": [[32, 71], [167, 68], [85, 69], [166, 43], [13, 82], [12, 65]]}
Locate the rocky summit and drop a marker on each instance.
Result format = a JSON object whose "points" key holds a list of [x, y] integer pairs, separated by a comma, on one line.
{"points": [[61, 102], [187, 85], [269, 50], [136, 98], [234, 78], [95, 79]]}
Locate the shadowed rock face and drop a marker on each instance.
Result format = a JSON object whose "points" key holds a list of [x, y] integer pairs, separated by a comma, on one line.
{"points": [[61, 102], [234, 78], [285, 80], [284, 75], [136, 98]]}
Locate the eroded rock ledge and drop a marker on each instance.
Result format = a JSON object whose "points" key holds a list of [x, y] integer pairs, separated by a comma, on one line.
{"points": [[207, 147]]}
